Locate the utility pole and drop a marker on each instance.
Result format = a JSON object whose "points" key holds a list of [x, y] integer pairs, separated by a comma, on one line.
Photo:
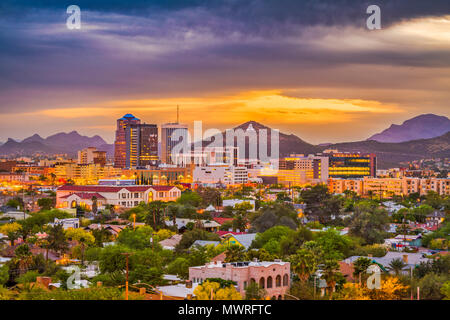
{"points": [[412, 296], [23, 200], [314, 287], [126, 254], [404, 226]]}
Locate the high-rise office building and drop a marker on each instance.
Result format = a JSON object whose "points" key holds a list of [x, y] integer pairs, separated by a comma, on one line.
{"points": [[141, 145], [351, 164], [91, 155], [171, 135], [120, 149]]}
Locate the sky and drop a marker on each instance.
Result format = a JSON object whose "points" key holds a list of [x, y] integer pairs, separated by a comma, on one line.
{"points": [[310, 67]]}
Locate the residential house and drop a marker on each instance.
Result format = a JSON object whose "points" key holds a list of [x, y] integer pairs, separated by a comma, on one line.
{"points": [[172, 242], [182, 224], [410, 259]]}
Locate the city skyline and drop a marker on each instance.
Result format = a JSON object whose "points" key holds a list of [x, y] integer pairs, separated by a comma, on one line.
{"points": [[113, 140], [311, 70]]}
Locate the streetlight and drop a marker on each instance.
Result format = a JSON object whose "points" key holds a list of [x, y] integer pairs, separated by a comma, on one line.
{"points": [[134, 221]]}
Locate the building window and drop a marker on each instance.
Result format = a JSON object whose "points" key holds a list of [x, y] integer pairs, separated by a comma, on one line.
{"points": [[269, 282], [245, 284], [278, 281], [262, 283], [285, 280]]}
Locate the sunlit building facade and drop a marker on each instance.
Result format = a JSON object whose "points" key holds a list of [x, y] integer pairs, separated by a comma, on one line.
{"points": [[171, 135], [141, 145], [120, 150], [85, 174], [91, 155], [160, 175], [348, 165]]}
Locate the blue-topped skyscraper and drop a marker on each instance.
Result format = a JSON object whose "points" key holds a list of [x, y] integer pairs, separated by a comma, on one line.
{"points": [[120, 148]]}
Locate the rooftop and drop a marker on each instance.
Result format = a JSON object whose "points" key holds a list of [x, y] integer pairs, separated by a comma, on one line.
{"points": [[413, 258], [129, 116], [113, 189], [178, 290], [243, 264]]}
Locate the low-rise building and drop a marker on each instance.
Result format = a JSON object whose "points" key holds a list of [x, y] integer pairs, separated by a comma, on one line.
{"points": [[388, 187], [66, 223], [70, 196], [274, 276], [221, 173]]}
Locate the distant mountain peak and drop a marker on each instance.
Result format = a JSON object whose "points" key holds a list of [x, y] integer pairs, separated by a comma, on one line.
{"points": [[34, 138], [252, 125], [424, 126], [288, 143], [60, 142]]}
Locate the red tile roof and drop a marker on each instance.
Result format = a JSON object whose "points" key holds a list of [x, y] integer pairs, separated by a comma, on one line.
{"points": [[222, 233], [85, 196], [89, 188], [113, 189], [222, 220]]}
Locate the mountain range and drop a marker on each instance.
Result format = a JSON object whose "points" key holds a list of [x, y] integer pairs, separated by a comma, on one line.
{"points": [[388, 154], [60, 143], [424, 126], [425, 136], [288, 143], [391, 154]]}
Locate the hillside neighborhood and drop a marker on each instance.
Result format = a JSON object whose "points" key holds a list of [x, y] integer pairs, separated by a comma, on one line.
{"points": [[303, 243]]}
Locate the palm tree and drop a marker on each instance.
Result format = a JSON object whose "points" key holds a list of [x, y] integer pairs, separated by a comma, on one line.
{"points": [[304, 264], [360, 267], [53, 178], [235, 253], [13, 236], [23, 257], [330, 273], [94, 205], [397, 265]]}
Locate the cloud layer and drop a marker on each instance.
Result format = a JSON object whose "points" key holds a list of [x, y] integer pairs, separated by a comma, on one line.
{"points": [[308, 67]]}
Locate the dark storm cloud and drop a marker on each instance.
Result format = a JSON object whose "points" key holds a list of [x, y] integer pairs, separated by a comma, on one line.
{"points": [[253, 15], [143, 47]]}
